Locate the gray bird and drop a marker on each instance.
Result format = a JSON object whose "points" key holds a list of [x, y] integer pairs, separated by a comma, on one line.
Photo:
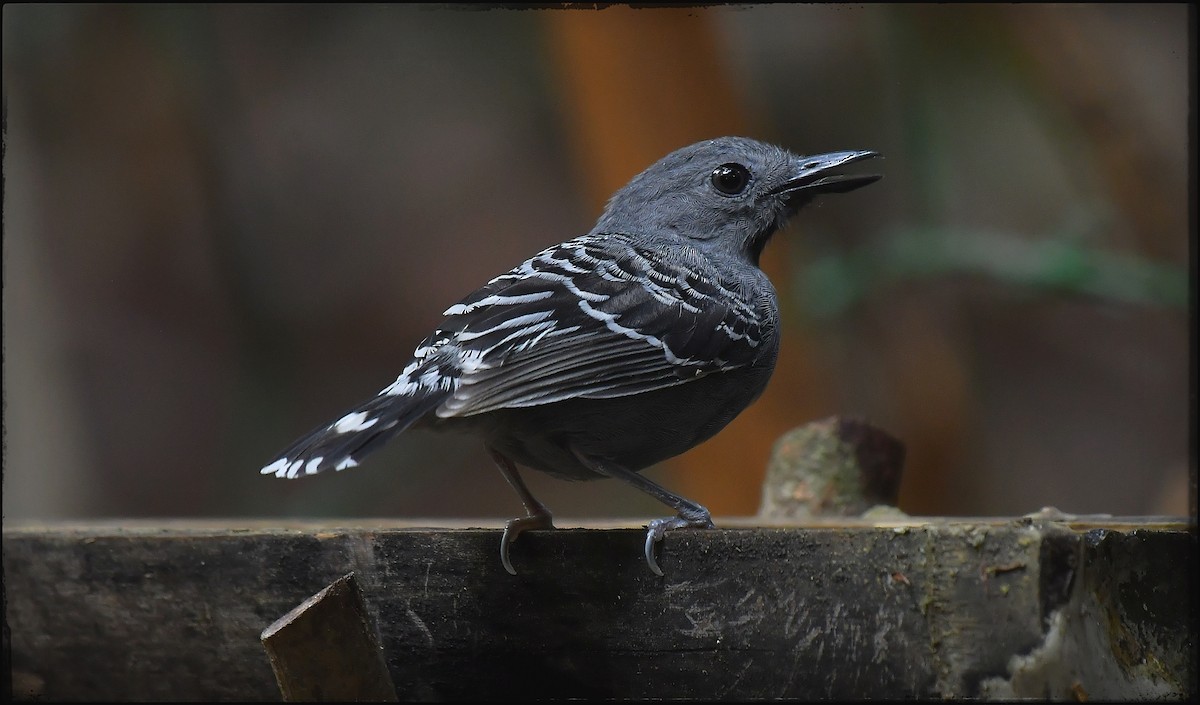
{"points": [[605, 354]]}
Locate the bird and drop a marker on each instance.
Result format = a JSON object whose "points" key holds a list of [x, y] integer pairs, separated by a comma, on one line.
{"points": [[614, 350]]}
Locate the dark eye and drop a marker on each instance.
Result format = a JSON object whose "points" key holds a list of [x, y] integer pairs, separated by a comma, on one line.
{"points": [[731, 178]]}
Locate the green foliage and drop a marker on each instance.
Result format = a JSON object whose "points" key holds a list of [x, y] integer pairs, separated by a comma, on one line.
{"points": [[833, 283]]}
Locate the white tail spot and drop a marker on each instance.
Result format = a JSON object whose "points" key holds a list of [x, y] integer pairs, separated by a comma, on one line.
{"points": [[356, 421]]}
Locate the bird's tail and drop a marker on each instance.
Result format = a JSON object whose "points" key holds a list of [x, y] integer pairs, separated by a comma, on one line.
{"points": [[366, 427]]}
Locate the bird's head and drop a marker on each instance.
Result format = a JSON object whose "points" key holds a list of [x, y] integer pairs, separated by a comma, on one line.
{"points": [[728, 194]]}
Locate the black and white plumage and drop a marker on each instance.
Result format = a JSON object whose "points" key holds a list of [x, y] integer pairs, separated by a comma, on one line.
{"points": [[605, 354]]}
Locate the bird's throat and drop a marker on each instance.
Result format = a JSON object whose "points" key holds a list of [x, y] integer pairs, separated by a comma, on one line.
{"points": [[756, 243]]}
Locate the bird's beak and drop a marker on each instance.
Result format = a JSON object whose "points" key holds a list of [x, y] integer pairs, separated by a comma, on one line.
{"points": [[812, 175]]}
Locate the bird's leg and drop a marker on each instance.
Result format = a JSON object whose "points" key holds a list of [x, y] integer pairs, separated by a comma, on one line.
{"points": [[690, 514], [538, 517]]}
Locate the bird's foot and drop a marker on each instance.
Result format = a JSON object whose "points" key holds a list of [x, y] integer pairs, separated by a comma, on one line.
{"points": [[697, 518], [514, 528]]}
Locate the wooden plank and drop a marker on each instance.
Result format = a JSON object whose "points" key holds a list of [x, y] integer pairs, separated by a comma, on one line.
{"points": [[846, 609], [326, 648]]}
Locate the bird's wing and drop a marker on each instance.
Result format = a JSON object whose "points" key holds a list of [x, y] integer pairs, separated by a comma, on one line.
{"points": [[594, 317]]}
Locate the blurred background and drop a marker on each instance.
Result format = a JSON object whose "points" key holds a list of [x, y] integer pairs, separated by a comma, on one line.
{"points": [[223, 225]]}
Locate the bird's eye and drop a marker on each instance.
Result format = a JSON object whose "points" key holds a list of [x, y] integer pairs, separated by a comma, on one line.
{"points": [[731, 179]]}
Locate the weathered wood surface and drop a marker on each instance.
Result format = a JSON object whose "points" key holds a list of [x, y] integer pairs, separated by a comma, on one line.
{"points": [[846, 610], [327, 649]]}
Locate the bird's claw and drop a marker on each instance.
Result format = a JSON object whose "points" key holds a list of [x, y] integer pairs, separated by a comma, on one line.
{"points": [[515, 527], [658, 528]]}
